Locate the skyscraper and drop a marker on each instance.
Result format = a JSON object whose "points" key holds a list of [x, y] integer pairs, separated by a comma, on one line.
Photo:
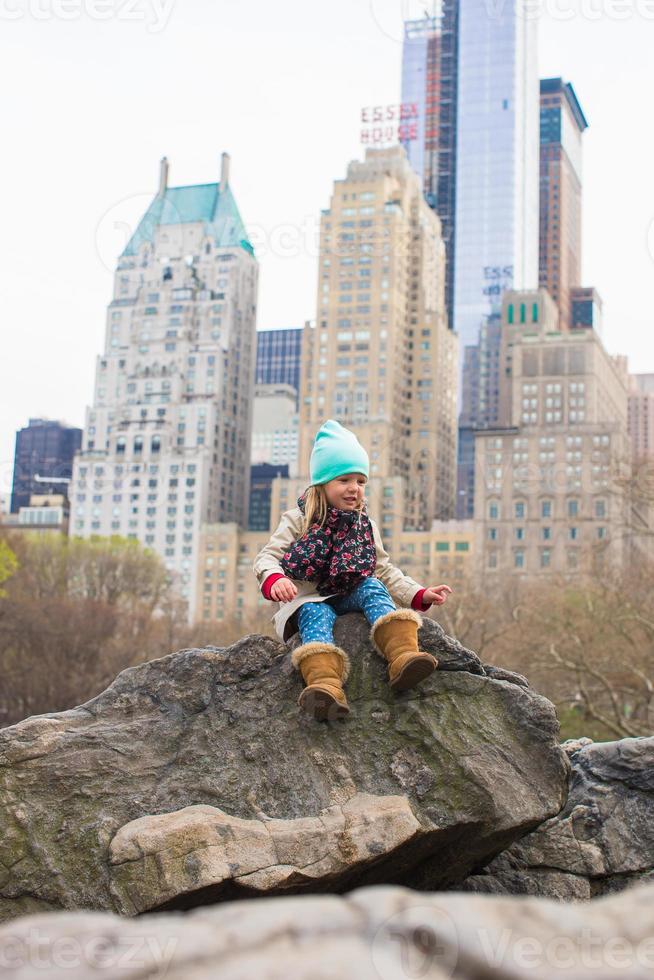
{"points": [[472, 72], [44, 449], [429, 81], [381, 358], [496, 216], [168, 435], [562, 123]]}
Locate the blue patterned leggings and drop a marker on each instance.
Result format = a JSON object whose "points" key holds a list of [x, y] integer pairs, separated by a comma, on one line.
{"points": [[316, 619]]}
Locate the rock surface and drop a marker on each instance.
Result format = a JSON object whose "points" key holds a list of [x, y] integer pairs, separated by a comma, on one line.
{"points": [[96, 800], [374, 933], [201, 847], [603, 839]]}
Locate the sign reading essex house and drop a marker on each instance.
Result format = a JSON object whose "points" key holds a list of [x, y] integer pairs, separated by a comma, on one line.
{"points": [[391, 123]]}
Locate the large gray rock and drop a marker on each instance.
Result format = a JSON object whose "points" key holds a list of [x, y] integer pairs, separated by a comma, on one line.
{"points": [[602, 840], [376, 933], [160, 791]]}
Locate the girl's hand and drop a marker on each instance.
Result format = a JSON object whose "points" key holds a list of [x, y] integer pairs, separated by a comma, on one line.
{"points": [[437, 594], [283, 590]]}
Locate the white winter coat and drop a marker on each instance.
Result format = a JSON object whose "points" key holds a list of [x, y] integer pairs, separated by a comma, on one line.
{"points": [[401, 587]]}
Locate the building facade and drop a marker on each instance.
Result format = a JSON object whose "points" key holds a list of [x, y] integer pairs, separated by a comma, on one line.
{"points": [[562, 123], [429, 82], [46, 513], [44, 450], [279, 354], [171, 422], [586, 308], [641, 415], [380, 358], [479, 406], [275, 426], [261, 480], [545, 477]]}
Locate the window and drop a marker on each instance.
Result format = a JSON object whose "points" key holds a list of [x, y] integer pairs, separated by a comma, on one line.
{"points": [[519, 509], [546, 508]]}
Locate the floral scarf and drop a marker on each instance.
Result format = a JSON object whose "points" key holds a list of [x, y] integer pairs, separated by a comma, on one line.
{"points": [[337, 555]]}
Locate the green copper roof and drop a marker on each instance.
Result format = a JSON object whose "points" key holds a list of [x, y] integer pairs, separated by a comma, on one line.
{"points": [[198, 202]]}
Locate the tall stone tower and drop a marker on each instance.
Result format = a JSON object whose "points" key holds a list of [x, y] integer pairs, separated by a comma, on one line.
{"points": [[168, 434], [380, 358]]}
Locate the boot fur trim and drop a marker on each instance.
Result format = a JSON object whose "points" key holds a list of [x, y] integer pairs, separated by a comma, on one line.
{"points": [[388, 618], [306, 649]]}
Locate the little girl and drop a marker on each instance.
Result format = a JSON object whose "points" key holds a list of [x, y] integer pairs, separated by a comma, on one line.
{"points": [[326, 558]]}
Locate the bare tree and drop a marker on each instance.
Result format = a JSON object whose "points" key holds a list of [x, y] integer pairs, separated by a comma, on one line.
{"points": [[592, 645], [74, 614]]}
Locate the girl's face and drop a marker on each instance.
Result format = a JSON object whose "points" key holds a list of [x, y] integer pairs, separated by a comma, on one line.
{"points": [[346, 492]]}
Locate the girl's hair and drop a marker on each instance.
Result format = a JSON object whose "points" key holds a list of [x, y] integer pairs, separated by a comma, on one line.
{"points": [[316, 505]]}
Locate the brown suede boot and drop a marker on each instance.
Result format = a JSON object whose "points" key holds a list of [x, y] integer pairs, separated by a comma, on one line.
{"points": [[324, 668], [395, 637]]}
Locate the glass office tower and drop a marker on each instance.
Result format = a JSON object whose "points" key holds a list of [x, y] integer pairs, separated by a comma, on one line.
{"points": [[496, 214], [472, 71]]}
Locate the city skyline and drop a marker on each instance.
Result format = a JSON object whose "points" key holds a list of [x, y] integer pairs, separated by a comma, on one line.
{"points": [[67, 273]]}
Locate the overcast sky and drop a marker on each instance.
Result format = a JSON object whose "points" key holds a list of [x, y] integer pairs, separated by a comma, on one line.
{"points": [[97, 91]]}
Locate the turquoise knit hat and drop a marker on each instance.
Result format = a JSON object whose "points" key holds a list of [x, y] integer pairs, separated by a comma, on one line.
{"points": [[336, 451]]}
